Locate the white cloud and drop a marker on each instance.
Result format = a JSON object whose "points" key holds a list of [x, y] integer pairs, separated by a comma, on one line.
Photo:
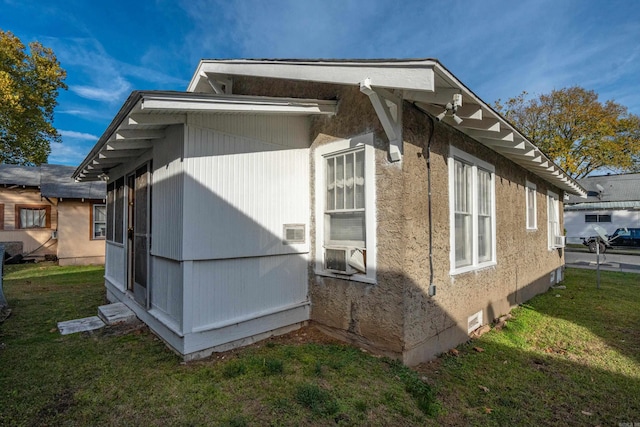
{"points": [[71, 134], [68, 153]]}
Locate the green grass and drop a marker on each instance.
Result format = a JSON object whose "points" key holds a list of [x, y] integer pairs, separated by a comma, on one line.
{"points": [[106, 378], [569, 357], [572, 359]]}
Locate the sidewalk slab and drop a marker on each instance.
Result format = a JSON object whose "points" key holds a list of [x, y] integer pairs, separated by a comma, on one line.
{"points": [[80, 325]]}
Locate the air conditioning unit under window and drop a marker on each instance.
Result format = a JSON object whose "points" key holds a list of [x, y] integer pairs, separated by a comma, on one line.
{"points": [[344, 260], [559, 241]]}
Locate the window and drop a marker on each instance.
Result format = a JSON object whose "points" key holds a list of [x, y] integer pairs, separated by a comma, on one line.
{"points": [[345, 209], [553, 214], [115, 211], [33, 216], [597, 218], [530, 199], [472, 212], [98, 222]]}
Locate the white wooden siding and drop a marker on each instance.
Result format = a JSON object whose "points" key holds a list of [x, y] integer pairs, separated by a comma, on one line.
{"points": [[239, 193], [231, 291], [167, 194], [288, 131], [116, 265], [166, 290]]}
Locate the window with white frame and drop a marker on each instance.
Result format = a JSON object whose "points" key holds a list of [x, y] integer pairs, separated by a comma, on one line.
{"points": [[98, 221], [472, 212], [553, 215], [345, 209], [531, 206]]}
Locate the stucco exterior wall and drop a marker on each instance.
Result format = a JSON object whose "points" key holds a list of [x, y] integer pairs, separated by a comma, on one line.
{"points": [[396, 316], [75, 243], [36, 242], [524, 262]]}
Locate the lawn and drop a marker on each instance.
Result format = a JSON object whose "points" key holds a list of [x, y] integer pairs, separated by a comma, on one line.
{"points": [[569, 357]]}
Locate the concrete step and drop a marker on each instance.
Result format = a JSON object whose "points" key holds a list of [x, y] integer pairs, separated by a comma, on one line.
{"points": [[116, 313], [80, 325]]}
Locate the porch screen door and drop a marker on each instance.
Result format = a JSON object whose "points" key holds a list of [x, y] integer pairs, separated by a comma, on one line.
{"points": [[139, 233]]}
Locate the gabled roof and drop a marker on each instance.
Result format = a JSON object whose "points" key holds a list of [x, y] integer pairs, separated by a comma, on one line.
{"points": [[608, 192], [53, 181], [425, 82], [146, 114]]}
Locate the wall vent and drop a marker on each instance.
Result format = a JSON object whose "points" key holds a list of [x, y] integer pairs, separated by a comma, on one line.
{"points": [[293, 233], [474, 322]]}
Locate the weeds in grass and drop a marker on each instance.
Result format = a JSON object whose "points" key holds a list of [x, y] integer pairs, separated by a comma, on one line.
{"points": [[418, 389], [319, 401], [273, 366], [234, 368]]}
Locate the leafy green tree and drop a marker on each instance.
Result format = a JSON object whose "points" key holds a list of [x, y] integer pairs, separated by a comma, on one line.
{"points": [[29, 85], [577, 131]]}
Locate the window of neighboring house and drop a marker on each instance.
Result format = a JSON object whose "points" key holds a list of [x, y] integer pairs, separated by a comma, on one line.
{"points": [[345, 209], [33, 216], [115, 211], [553, 215], [597, 218], [532, 222], [472, 212], [98, 221]]}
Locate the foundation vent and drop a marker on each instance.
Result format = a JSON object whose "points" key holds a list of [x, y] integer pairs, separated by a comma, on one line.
{"points": [[474, 322], [293, 233]]}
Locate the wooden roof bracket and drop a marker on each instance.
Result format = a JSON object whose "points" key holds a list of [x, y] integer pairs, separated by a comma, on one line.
{"points": [[221, 85], [388, 107]]}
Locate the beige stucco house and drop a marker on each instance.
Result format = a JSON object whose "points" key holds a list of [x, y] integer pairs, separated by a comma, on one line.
{"points": [[46, 214], [382, 201]]}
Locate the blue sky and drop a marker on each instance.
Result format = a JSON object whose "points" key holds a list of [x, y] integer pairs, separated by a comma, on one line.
{"points": [[497, 48]]}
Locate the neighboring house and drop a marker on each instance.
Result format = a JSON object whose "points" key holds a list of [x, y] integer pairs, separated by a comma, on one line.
{"points": [[45, 213], [613, 201], [277, 192]]}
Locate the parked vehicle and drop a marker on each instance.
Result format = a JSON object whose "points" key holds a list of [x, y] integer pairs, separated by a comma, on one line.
{"points": [[621, 238]]}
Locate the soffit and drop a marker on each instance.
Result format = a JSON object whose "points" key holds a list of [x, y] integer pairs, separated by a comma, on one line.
{"points": [[426, 83], [145, 116]]}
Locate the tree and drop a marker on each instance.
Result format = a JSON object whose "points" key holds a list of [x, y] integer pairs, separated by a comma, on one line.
{"points": [[577, 131], [29, 84]]}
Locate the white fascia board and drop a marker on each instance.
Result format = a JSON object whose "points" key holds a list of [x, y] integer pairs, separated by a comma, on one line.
{"points": [[238, 105], [411, 75]]}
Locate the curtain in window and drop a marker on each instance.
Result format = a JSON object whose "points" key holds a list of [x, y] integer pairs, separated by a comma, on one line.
{"points": [[345, 197], [99, 221], [484, 216], [554, 224], [33, 218], [463, 214], [531, 207]]}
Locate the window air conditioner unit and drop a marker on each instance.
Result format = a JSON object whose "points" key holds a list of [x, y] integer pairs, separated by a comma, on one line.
{"points": [[560, 241], [344, 260]]}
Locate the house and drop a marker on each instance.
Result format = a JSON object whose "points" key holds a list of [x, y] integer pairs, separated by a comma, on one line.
{"points": [[613, 201], [381, 200], [46, 214]]}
